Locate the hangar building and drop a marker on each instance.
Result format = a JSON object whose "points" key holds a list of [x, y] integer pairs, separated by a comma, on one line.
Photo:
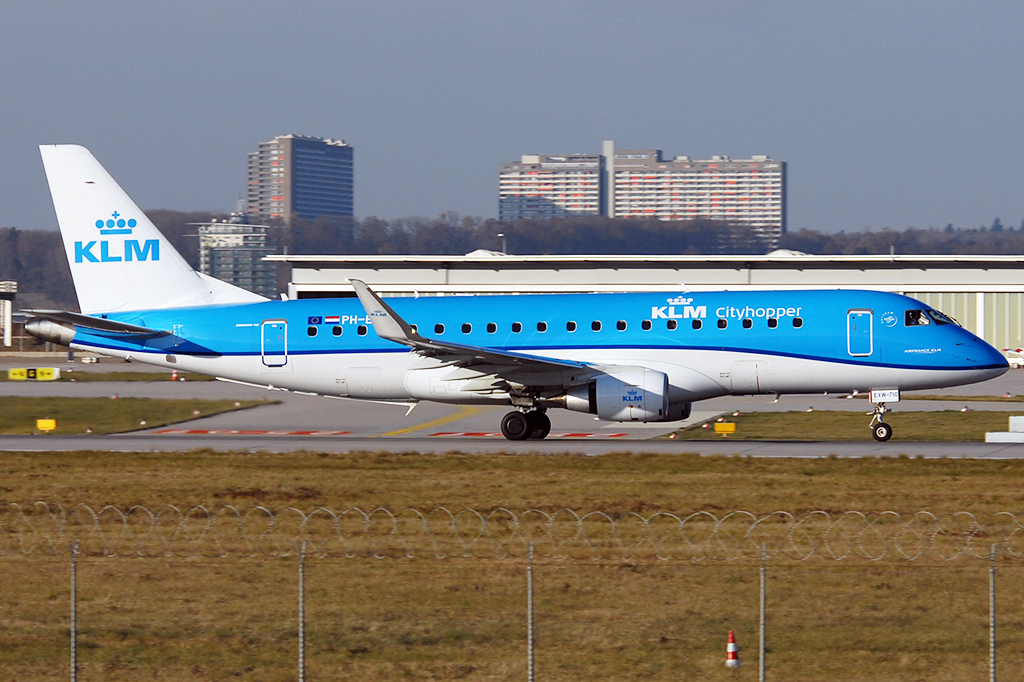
{"points": [[984, 293]]}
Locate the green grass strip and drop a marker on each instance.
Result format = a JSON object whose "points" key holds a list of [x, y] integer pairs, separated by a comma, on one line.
{"points": [[72, 375], [928, 427], [107, 415]]}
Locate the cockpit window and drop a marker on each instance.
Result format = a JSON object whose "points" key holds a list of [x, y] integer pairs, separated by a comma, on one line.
{"points": [[917, 317], [940, 318]]}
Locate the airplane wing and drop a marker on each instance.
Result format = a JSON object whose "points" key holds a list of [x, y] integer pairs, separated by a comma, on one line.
{"points": [[97, 323], [389, 325]]}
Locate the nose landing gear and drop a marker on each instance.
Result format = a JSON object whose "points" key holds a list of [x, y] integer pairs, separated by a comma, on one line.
{"points": [[533, 425], [879, 429]]}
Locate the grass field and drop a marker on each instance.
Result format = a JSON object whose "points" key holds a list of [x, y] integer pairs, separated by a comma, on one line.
{"points": [[18, 415], [465, 618], [946, 426]]}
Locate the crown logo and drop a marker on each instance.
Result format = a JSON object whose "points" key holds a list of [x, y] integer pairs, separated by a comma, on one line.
{"points": [[631, 392], [680, 300], [116, 224]]}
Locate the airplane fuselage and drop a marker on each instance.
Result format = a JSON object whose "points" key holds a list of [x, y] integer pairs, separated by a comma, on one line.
{"points": [[708, 344]]}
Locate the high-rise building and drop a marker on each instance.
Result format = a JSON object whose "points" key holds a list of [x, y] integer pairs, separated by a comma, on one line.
{"points": [[750, 192], [296, 175], [543, 186], [233, 252], [641, 183]]}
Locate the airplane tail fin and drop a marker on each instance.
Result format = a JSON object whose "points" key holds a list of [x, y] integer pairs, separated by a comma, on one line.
{"points": [[119, 260]]}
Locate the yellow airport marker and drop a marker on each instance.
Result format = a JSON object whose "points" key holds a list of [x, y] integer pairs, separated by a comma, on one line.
{"points": [[725, 428], [46, 425], [34, 374]]}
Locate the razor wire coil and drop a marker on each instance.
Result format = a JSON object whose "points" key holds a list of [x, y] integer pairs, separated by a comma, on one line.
{"points": [[170, 531]]}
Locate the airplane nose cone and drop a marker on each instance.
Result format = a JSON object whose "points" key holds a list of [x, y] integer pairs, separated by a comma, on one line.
{"points": [[986, 360]]}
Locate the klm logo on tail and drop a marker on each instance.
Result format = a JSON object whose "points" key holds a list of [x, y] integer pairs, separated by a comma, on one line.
{"points": [[130, 249]]}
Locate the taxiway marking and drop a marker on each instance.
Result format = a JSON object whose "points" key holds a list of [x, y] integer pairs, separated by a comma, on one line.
{"points": [[464, 411], [244, 432]]}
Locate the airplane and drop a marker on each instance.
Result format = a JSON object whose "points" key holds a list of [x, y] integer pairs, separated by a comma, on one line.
{"points": [[628, 357]]}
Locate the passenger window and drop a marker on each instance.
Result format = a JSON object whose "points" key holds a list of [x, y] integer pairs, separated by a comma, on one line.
{"points": [[542, 327], [517, 327], [596, 325], [337, 331], [915, 318], [697, 324], [646, 325], [671, 324], [570, 326], [439, 329], [361, 330], [722, 323], [798, 322], [491, 327], [748, 323], [621, 325], [466, 327], [772, 323], [311, 331]]}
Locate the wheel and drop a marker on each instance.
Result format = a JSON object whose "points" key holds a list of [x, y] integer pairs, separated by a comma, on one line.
{"points": [[882, 432], [540, 425], [516, 426]]}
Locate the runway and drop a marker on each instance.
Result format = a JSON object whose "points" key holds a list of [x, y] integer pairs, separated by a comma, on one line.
{"points": [[300, 422]]}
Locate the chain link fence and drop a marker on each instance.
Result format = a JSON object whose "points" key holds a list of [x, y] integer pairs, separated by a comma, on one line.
{"points": [[172, 531]]}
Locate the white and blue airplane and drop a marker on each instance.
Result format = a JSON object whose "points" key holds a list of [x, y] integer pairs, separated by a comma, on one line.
{"points": [[623, 357]]}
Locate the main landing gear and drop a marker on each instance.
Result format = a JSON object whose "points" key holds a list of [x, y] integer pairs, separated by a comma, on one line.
{"points": [[879, 429], [533, 425]]}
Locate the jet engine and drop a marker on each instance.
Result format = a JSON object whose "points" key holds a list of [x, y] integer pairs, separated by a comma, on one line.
{"points": [[50, 331], [626, 394]]}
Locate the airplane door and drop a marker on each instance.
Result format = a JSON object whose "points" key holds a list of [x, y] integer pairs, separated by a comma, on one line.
{"points": [[274, 347], [859, 339]]}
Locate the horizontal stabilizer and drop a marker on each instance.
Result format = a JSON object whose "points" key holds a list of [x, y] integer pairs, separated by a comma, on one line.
{"points": [[97, 323]]}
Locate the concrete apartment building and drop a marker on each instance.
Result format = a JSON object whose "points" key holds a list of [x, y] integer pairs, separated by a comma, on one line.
{"points": [[233, 252], [297, 175], [642, 183], [550, 186]]}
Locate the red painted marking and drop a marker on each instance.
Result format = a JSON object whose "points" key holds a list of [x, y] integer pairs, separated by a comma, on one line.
{"points": [[245, 432]]}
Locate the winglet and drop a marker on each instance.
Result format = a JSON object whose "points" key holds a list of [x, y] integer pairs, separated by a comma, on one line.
{"points": [[386, 322], [390, 326]]}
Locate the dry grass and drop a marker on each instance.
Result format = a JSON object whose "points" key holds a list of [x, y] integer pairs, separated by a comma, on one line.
{"points": [[465, 619], [408, 620], [613, 483]]}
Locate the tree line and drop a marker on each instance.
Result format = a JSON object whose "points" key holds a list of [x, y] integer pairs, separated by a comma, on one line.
{"points": [[35, 258]]}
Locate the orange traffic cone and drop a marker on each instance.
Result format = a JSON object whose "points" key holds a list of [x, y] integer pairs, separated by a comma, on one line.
{"points": [[174, 375], [732, 652]]}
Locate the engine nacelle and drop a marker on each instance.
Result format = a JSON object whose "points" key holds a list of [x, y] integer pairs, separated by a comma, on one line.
{"points": [[624, 395], [50, 331]]}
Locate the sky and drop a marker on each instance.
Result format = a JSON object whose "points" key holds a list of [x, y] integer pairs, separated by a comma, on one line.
{"points": [[889, 114]]}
